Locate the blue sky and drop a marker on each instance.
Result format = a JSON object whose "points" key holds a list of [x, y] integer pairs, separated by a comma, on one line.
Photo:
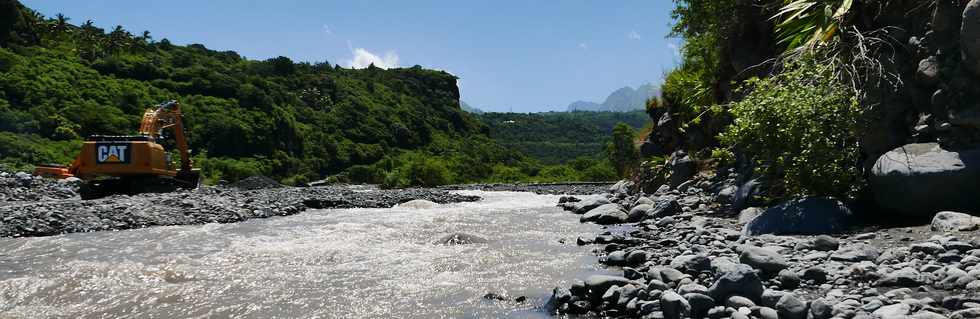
{"points": [[525, 56]]}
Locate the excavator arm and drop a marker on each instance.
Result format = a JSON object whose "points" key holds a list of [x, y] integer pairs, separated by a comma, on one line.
{"points": [[168, 115]]}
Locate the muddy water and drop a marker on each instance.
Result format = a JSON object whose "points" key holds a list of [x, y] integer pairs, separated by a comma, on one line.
{"points": [[352, 263]]}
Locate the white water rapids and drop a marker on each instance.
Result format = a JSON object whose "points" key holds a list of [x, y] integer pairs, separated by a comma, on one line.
{"points": [[344, 263]]}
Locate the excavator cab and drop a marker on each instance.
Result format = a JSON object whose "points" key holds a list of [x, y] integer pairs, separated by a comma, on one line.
{"points": [[135, 163]]}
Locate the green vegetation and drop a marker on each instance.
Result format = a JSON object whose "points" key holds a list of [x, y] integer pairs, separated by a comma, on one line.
{"points": [[622, 150], [800, 125], [296, 122], [558, 137], [794, 106]]}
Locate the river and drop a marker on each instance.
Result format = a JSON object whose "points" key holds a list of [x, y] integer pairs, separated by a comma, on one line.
{"points": [[341, 263]]}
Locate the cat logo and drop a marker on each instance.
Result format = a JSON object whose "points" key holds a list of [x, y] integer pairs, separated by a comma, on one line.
{"points": [[112, 153]]}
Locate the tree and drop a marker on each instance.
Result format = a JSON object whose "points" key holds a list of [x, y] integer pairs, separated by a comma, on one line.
{"points": [[621, 151], [8, 19]]}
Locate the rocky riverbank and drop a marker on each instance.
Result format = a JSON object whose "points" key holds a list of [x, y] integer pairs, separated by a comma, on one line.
{"points": [[682, 256], [32, 206]]}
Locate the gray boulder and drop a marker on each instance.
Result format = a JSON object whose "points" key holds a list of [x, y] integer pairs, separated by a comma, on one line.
{"points": [[953, 221], [673, 305], [585, 205], [928, 72], [639, 213], [605, 215], [856, 253], [763, 259], [747, 215], [922, 179], [741, 280], [791, 307], [597, 285], [682, 168], [970, 36], [808, 216]]}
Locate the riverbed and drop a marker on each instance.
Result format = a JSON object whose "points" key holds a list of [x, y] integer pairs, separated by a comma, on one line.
{"points": [[335, 263]]}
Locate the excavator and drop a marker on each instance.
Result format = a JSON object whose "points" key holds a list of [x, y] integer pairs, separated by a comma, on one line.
{"points": [[133, 164]]}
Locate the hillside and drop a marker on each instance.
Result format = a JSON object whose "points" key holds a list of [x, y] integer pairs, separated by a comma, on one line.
{"points": [[622, 100], [558, 137], [296, 122]]}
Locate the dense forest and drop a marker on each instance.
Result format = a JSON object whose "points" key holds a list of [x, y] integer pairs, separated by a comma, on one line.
{"points": [[296, 122], [559, 137]]}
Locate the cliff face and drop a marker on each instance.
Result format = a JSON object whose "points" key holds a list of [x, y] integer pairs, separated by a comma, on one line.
{"points": [[926, 91]]}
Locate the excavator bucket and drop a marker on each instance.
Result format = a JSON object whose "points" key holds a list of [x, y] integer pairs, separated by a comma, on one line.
{"points": [[52, 171]]}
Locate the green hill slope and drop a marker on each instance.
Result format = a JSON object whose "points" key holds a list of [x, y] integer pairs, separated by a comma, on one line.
{"points": [[296, 122], [558, 137]]}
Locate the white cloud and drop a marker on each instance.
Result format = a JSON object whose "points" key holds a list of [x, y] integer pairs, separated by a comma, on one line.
{"points": [[363, 58], [633, 35], [583, 46], [326, 29]]}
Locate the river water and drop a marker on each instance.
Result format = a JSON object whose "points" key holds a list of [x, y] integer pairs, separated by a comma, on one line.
{"points": [[348, 263]]}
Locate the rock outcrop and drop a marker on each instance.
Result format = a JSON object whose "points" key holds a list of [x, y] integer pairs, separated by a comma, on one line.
{"points": [[923, 179]]}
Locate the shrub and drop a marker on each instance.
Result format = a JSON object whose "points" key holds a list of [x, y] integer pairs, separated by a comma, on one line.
{"points": [[799, 127]]}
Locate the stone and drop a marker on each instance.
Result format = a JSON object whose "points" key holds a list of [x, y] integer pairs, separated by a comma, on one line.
{"points": [[585, 205], [605, 215], [807, 216], [922, 179], [559, 296], [819, 309], [461, 239], [791, 307], [692, 288], [671, 274], [691, 264], [905, 277], [673, 305], [762, 259], [788, 279], [970, 36], [636, 257], [682, 168], [825, 243], [700, 304], [666, 208], [727, 195], [969, 313], [925, 314], [599, 284], [739, 302], [742, 280], [816, 274], [640, 213], [721, 265], [893, 311], [855, 253], [929, 248], [928, 72], [749, 194], [947, 221], [768, 313], [616, 258], [771, 297]]}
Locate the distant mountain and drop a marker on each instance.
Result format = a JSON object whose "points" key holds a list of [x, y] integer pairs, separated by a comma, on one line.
{"points": [[622, 100], [469, 109]]}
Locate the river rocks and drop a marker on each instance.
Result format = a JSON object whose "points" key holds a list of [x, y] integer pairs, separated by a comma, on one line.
{"points": [[682, 168], [585, 205], [673, 305], [691, 264], [788, 279], [856, 252], [922, 179], [740, 281], [640, 212], [762, 259], [460, 239], [791, 307], [599, 284], [893, 311], [905, 277], [699, 303], [928, 72], [970, 36], [747, 215], [825, 243], [809, 216], [605, 215], [953, 221]]}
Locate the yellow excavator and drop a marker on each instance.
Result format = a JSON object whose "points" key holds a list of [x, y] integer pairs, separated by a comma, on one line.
{"points": [[132, 164]]}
